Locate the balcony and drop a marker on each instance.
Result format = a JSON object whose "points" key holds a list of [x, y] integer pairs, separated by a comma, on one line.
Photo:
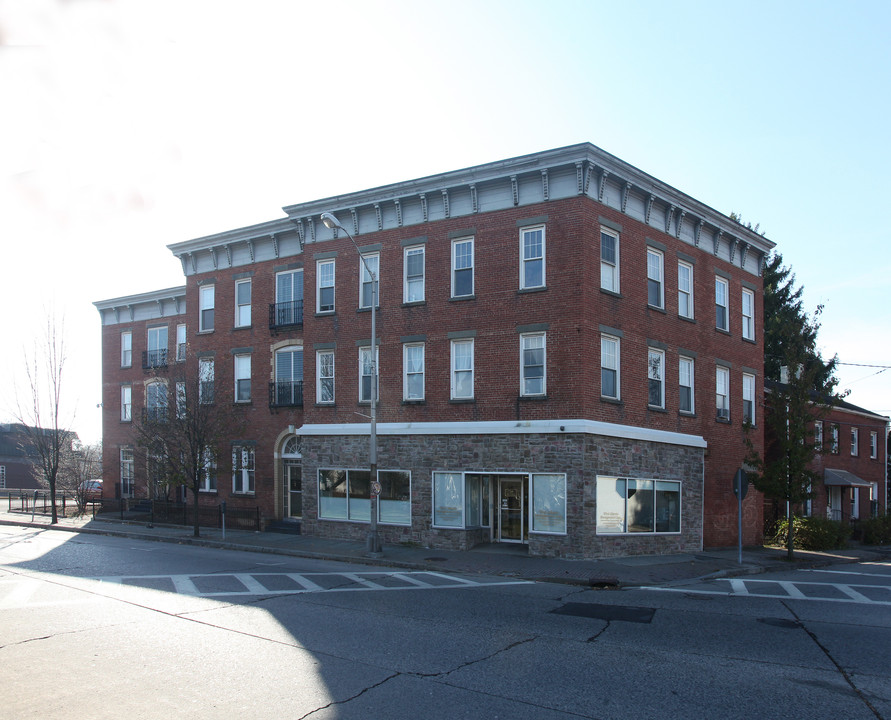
{"points": [[285, 315], [160, 414], [152, 359], [286, 393]]}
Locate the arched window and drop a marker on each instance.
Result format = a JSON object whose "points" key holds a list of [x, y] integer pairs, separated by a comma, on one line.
{"points": [[292, 447]]}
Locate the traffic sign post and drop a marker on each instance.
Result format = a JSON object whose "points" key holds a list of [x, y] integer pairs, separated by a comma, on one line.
{"points": [[740, 489]]}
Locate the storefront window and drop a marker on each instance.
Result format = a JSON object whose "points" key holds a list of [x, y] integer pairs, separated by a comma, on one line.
{"points": [[628, 505], [394, 503], [333, 494], [549, 503], [448, 500]]}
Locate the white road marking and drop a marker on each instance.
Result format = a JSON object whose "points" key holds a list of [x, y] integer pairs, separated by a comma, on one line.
{"points": [[739, 587], [358, 582]]}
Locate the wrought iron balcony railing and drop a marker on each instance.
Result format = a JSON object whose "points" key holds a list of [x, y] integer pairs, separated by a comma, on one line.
{"points": [[285, 314], [154, 359], [286, 393]]}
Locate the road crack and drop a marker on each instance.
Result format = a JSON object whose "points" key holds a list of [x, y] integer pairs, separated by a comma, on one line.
{"points": [[844, 673]]}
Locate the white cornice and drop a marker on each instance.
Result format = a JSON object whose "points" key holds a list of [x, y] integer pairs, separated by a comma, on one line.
{"points": [[150, 297], [511, 427]]}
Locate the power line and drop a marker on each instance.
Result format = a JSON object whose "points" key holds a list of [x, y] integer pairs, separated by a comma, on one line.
{"points": [[884, 367]]}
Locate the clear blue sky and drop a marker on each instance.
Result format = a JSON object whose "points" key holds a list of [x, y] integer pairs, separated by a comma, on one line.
{"points": [[128, 125]]}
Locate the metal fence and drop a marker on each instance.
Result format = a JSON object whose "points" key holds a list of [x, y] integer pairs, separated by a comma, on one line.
{"points": [[39, 502], [178, 513]]}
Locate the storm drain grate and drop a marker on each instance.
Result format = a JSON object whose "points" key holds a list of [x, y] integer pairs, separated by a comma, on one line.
{"points": [[607, 612]]}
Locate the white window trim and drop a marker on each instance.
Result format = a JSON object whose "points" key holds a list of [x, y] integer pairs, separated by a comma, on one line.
{"points": [[454, 371], [614, 267], [692, 363], [532, 498], [725, 308], [406, 373], [181, 341], [524, 260], [320, 377], [834, 438], [205, 292], [617, 368], [661, 279], [239, 360], [748, 384], [362, 281], [126, 403], [127, 349], [320, 287], [206, 378], [873, 445], [366, 350], [654, 354], [248, 305], [748, 320], [459, 241], [855, 442], [247, 473], [544, 361], [722, 414], [818, 435], [414, 250], [687, 293]]}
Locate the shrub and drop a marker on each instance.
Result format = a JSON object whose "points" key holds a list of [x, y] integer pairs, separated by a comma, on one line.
{"points": [[813, 533], [874, 531]]}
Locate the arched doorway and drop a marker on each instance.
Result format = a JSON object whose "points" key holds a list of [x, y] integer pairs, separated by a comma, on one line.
{"points": [[292, 479]]}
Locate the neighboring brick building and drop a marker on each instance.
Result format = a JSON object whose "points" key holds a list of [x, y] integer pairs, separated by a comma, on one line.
{"points": [[20, 460], [567, 350], [853, 464]]}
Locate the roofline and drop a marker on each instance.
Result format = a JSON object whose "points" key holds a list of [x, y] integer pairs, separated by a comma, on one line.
{"points": [[837, 403], [147, 297]]}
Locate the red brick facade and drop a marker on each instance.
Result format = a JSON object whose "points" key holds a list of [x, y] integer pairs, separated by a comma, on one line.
{"points": [[570, 309]]}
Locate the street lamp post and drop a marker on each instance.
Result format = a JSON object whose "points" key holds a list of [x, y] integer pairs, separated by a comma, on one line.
{"points": [[373, 543]]}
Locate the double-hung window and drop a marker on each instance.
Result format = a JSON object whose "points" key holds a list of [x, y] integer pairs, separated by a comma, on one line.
{"points": [[181, 407], [748, 314], [369, 286], [209, 472], [156, 402], [205, 381], [126, 403], [833, 430], [655, 378], [126, 349], [748, 388], [325, 286], [181, 342], [532, 364], [289, 377], [242, 378], [855, 442], [205, 308], [325, 376], [655, 275], [126, 472], [685, 289], [288, 309], [532, 257], [722, 392], [873, 445], [609, 367], [462, 267], [609, 260], [722, 317], [157, 347], [413, 371], [413, 269], [685, 383], [242, 469], [462, 369], [368, 374], [243, 303], [818, 435]]}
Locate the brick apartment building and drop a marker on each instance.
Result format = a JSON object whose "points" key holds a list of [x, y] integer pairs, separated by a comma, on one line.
{"points": [[852, 461], [567, 351]]}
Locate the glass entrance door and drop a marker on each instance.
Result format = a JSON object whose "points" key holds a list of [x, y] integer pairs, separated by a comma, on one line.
{"points": [[511, 510], [294, 491]]}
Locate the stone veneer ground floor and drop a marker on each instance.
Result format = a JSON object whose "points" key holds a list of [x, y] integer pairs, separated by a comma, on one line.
{"points": [[573, 489]]}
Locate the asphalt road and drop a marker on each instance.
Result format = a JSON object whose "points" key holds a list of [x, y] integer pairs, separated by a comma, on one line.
{"points": [[104, 627]]}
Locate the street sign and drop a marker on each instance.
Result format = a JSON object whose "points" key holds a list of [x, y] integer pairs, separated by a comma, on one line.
{"points": [[740, 484]]}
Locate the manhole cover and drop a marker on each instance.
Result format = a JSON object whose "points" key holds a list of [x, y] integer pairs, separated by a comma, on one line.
{"points": [[607, 612]]}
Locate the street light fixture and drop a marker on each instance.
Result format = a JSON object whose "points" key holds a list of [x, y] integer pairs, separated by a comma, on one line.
{"points": [[373, 543]]}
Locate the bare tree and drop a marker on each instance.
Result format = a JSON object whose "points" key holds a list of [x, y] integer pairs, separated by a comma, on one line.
{"points": [[80, 465], [47, 435], [181, 431]]}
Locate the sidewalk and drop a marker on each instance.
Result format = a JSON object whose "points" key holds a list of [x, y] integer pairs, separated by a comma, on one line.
{"points": [[499, 559]]}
